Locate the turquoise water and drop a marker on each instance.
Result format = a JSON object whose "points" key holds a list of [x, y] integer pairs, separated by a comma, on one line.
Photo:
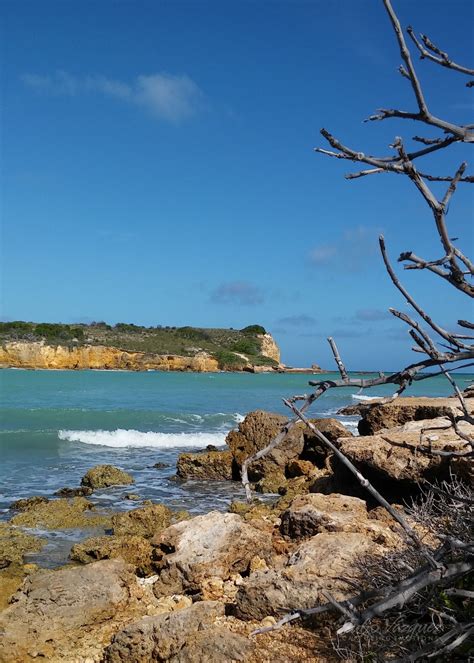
{"points": [[55, 425]]}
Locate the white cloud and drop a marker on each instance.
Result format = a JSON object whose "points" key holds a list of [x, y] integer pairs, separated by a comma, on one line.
{"points": [[165, 96]]}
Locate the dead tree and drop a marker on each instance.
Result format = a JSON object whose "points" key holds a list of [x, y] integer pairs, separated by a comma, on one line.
{"points": [[442, 350]]}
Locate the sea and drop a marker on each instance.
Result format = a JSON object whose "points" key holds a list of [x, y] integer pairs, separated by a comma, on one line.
{"points": [[55, 425]]}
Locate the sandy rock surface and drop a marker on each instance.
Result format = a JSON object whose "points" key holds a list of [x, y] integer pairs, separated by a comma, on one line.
{"points": [[215, 544]]}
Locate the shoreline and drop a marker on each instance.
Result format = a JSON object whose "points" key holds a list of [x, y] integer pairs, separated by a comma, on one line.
{"points": [[150, 563]]}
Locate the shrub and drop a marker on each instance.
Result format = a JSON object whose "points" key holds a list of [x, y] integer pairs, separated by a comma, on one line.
{"points": [[193, 334], [254, 329], [228, 361], [247, 345]]}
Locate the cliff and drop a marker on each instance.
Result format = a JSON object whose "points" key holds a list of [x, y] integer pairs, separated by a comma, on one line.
{"points": [[131, 347], [22, 354]]}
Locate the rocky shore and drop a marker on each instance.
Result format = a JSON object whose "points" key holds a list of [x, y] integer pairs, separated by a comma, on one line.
{"points": [[154, 584]]}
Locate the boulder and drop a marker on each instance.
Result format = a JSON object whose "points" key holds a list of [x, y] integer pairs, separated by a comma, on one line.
{"points": [[323, 562], [68, 615], [185, 636], [205, 465], [60, 514], [215, 544], [254, 433], [395, 454], [103, 476], [312, 514], [146, 521], [396, 413], [134, 550], [314, 449]]}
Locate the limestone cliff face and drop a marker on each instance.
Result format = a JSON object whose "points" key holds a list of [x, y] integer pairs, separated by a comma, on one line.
{"points": [[18, 354], [269, 347]]}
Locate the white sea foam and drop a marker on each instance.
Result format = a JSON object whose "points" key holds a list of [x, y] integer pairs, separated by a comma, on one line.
{"points": [[134, 438]]}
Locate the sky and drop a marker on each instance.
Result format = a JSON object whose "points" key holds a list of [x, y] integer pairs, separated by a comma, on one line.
{"points": [[158, 167]]}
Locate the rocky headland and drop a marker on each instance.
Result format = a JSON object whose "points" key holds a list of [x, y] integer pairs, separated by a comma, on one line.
{"points": [[154, 584]]}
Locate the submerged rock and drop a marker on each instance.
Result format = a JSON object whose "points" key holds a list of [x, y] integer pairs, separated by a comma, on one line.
{"points": [[212, 464], [60, 514], [103, 476], [215, 544], [82, 491]]}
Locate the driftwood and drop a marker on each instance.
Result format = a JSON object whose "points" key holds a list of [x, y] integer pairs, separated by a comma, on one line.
{"points": [[441, 348]]}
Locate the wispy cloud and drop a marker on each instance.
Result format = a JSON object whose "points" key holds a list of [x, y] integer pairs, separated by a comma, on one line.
{"points": [[165, 96], [352, 251], [372, 315], [302, 320], [238, 292]]}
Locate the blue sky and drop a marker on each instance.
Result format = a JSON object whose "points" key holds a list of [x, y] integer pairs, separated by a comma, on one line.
{"points": [[158, 167]]}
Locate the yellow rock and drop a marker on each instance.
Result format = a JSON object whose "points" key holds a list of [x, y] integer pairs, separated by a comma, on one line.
{"points": [[20, 354]]}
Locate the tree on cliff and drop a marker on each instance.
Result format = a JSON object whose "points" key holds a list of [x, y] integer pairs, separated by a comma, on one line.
{"points": [[429, 578]]}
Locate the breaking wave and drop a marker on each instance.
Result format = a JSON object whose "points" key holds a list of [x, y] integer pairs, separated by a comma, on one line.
{"points": [[122, 438]]}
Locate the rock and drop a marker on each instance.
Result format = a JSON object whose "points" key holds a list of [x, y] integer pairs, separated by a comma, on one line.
{"points": [[301, 468], [257, 510], [28, 502], [184, 636], [353, 409], [103, 476], [398, 412], [320, 563], [14, 544], [395, 455], [215, 544], [83, 491], [160, 466], [315, 450], [146, 521], [70, 614], [268, 347], [134, 550], [332, 428], [171, 603], [312, 514], [255, 432], [210, 465], [60, 514], [132, 496]]}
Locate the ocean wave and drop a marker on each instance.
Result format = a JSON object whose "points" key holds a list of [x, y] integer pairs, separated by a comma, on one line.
{"points": [[122, 438]]}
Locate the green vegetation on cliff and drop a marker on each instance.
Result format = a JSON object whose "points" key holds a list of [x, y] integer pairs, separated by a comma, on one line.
{"points": [[187, 341]]}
